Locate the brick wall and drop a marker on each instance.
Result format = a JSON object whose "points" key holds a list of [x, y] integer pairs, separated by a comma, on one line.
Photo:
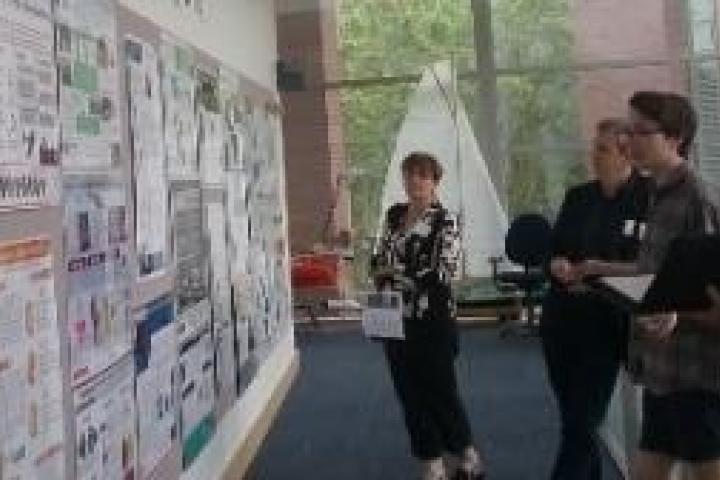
{"points": [[620, 31], [314, 146]]}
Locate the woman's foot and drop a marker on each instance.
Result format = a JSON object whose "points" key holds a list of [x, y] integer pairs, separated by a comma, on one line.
{"points": [[434, 469], [470, 466]]}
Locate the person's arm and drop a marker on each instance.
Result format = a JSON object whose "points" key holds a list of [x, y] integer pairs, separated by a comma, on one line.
{"points": [[449, 250], [563, 241], [445, 261], [594, 267], [381, 269], [709, 319], [657, 327]]}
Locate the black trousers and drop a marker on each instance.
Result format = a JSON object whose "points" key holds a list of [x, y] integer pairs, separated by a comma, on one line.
{"points": [[583, 356], [425, 383]]}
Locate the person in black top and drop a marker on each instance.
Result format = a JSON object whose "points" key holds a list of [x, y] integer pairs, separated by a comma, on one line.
{"points": [[417, 256], [584, 337]]}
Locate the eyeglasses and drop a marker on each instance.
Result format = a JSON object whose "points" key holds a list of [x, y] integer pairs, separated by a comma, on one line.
{"points": [[636, 131]]}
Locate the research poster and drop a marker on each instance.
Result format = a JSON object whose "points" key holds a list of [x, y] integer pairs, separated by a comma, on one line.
{"points": [[99, 323], [29, 132], [267, 261], [148, 156], [197, 393], [178, 93], [31, 401], [191, 258], [232, 107], [89, 84], [156, 366], [211, 129], [222, 327], [238, 241], [105, 439]]}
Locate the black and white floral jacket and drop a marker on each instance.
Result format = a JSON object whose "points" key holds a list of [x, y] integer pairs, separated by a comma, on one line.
{"points": [[425, 258]]}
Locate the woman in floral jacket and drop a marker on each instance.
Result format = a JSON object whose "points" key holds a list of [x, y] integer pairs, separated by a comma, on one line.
{"points": [[418, 256]]}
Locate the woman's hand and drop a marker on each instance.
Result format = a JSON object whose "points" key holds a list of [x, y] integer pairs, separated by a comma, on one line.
{"points": [[658, 327], [592, 267], [383, 274], [564, 271]]}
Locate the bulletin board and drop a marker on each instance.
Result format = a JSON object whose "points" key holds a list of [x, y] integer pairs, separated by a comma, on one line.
{"points": [[143, 243]]}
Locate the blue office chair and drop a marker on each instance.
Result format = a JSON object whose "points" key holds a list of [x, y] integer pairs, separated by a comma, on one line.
{"points": [[527, 244]]}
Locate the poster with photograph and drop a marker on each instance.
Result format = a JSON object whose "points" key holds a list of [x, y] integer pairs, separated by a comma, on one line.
{"points": [[148, 156], [211, 129], [105, 439], [267, 260], [29, 132], [156, 366], [99, 323], [211, 142], [191, 260], [178, 93], [233, 108], [197, 393], [89, 84], [238, 224], [31, 402], [222, 327]]}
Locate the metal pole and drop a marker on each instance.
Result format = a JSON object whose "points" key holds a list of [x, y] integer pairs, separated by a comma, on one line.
{"points": [[458, 164]]}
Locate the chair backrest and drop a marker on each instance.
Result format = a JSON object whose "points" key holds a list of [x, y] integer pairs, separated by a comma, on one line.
{"points": [[528, 240]]}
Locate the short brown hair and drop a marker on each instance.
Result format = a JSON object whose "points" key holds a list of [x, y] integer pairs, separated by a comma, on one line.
{"points": [[672, 112], [613, 126], [617, 127], [423, 161]]}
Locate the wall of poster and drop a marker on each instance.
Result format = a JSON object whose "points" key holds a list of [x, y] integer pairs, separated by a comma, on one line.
{"points": [[31, 391], [105, 439], [98, 378], [29, 155], [148, 156], [89, 93], [97, 261], [156, 365]]}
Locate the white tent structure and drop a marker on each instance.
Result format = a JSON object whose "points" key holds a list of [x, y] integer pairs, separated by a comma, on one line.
{"points": [[436, 122]]}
